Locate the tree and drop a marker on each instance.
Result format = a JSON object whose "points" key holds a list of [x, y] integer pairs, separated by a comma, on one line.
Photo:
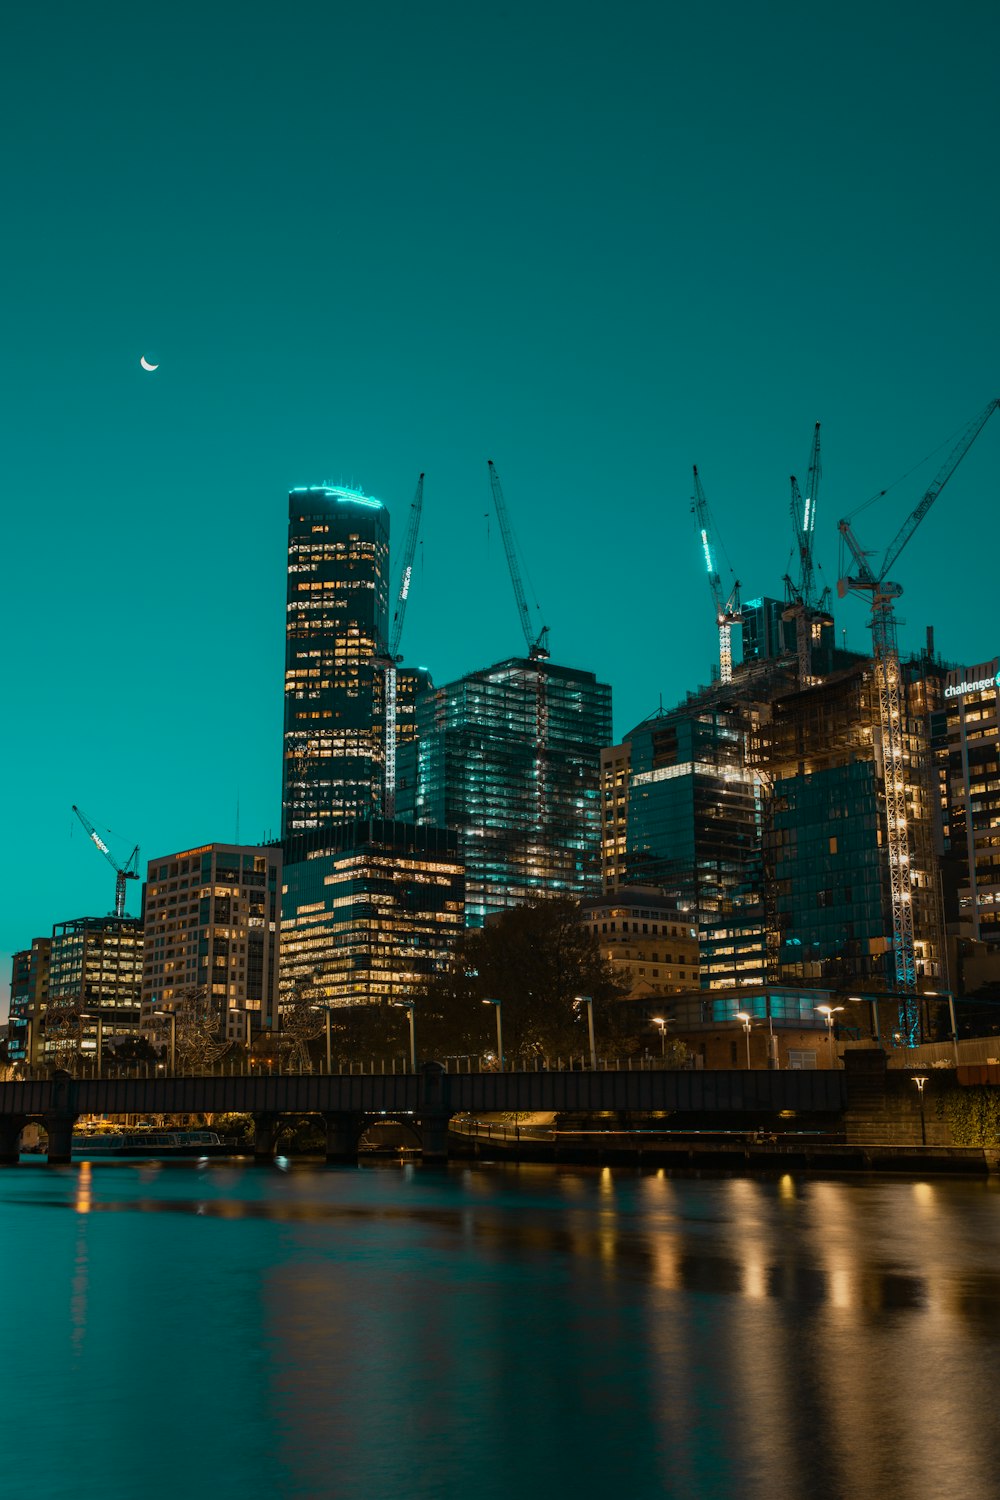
{"points": [[536, 960]]}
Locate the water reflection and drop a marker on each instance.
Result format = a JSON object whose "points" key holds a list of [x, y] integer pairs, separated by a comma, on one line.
{"points": [[493, 1331]]}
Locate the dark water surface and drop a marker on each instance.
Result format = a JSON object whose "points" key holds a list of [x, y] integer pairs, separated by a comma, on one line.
{"points": [[217, 1330]]}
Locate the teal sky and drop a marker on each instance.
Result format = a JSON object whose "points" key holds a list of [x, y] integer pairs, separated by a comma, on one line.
{"points": [[594, 244]]}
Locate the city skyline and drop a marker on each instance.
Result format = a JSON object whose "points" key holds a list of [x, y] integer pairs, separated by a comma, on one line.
{"points": [[595, 295]]}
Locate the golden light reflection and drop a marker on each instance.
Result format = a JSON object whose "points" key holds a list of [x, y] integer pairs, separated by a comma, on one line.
{"points": [[786, 1187], [84, 1189], [754, 1275]]}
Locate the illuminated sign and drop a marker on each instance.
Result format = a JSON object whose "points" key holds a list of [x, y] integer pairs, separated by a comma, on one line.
{"points": [[406, 583], [707, 551], [960, 689]]}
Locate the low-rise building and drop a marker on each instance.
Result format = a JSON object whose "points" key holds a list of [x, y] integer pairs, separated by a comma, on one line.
{"points": [[647, 937]]}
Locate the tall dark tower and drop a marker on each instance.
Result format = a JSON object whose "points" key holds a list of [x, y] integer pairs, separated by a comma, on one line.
{"points": [[338, 590]]}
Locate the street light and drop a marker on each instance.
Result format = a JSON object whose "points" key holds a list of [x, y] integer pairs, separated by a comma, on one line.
{"points": [[86, 1015], [952, 1021], [409, 1007], [588, 1001], [661, 1021], [921, 1084], [741, 1015], [499, 1031], [873, 1003], [172, 1018], [829, 1011]]}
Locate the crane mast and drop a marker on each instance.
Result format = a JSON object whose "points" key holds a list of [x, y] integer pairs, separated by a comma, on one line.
{"points": [[123, 873], [883, 595], [537, 649], [727, 612], [801, 595], [392, 655]]}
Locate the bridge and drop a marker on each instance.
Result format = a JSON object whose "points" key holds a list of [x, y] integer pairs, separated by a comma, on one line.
{"points": [[426, 1101]]}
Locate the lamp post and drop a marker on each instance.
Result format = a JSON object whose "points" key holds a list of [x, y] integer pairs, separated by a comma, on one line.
{"points": [[952, 1021], [86, 1015], [921, 1084], [829, 1011], [588, 1001], [172, 1018], [873, 1004], [661, 1021], [409, 1007], [741, 1015], [499, 1031]]}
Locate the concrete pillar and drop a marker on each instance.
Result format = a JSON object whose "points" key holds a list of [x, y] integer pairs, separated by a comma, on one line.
{"points": [[59, 1128], [264, 1130], [10, 1138], [342, 1135], [434, 1137]]}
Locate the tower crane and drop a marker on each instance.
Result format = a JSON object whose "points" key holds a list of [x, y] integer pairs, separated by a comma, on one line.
{"points": [[883, 594], [537, 647], [128, 871], [392, 657], [729, 612], [800, 596]]}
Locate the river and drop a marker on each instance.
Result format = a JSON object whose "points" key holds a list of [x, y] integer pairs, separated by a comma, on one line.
{"points": [[178, 1331]]}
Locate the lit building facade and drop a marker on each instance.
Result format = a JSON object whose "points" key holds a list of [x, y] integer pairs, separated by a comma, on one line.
{"points": [[967, 752], [29, 994], [694, 826], [371, 911], [616, 761], [213, 919], [95, 971], [646, 938], [511, 758], [337, 611]]}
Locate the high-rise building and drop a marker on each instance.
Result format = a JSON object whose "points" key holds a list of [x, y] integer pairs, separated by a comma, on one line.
{"points": [[213, 919], [95, 972], [338, 568], [510, 757], [967, 750], [29, 993], [370, 911], [694, 821], [616, 762]]}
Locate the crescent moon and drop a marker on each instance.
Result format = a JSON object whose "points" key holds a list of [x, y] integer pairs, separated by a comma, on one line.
{"points": [[145, 363]]}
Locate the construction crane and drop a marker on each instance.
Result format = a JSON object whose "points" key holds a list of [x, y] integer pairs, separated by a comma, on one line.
{"points": [[123, 873], [389, 661], [801, 605], [727, 612], [883, 595], [537, 648]]}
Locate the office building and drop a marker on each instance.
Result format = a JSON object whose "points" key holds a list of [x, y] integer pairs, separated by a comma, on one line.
{"points": [[337, 610], [966, 733], [370, 911], [616, 764], [213, 919], [646, 937], [95, 974], [510, 757], [29, 994], [694, 824]]}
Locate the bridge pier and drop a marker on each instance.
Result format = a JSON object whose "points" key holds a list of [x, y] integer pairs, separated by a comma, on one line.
{"points": [[434, 1137], [265, 1128], [10, 1138], [342, 1135], [59, 1129]]}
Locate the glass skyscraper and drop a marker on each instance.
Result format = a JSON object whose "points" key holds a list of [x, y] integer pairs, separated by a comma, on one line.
{"points": [[510, 757], [338, 588]]}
